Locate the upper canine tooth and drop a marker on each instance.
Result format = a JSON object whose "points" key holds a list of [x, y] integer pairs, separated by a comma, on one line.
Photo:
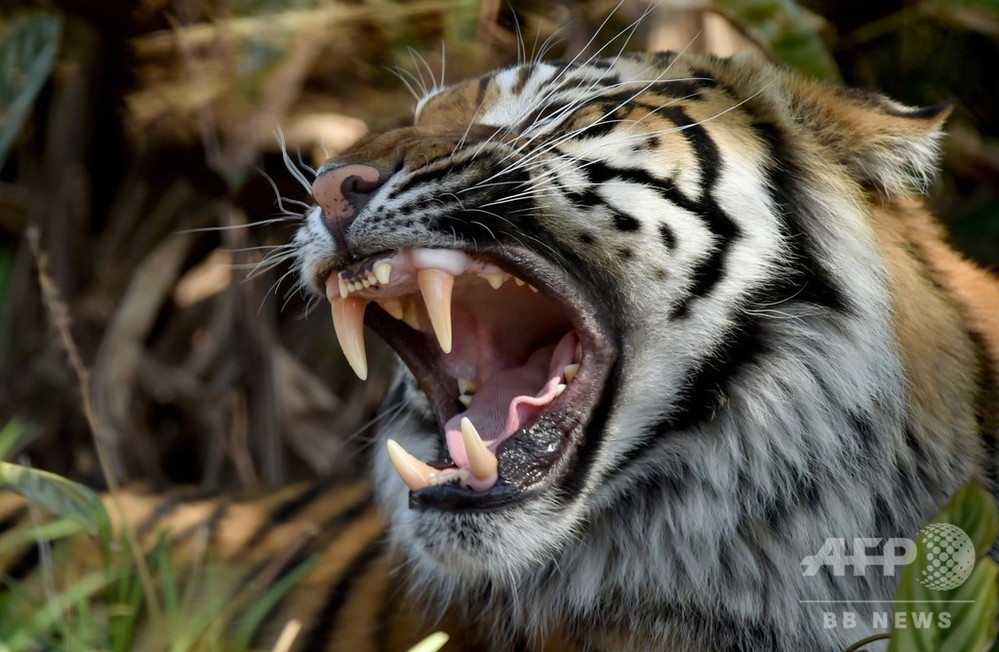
{"points": [[383, 272], [465, 399], [436, 286], [466, 386], [569, 371], [481, 460], [413, 472], [344, 290], [348, 322]]}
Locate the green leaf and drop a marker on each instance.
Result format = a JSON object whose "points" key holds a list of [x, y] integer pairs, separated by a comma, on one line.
{"points": [[973, 510], [27, 55], [60, 496], [13, 437], [789, 31], [17, 539], [255, 615], [963, 618]]}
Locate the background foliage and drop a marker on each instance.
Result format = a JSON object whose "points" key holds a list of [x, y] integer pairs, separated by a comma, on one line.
{"points": [[137, 137]]}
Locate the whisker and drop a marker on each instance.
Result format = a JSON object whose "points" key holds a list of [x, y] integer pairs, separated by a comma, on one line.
{"points": [[289, 164]]}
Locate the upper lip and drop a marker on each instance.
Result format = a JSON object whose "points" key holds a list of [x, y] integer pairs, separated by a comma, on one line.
{"points": [[530, 458]]}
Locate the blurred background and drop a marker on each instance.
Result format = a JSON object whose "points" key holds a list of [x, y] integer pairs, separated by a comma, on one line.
{"points": [[137, 140]]}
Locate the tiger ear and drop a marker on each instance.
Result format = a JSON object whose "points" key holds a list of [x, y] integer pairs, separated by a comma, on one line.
{"points": [[886, 145]]}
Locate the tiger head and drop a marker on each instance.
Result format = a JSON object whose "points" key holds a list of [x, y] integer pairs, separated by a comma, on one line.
{"points": [[652, 347]]}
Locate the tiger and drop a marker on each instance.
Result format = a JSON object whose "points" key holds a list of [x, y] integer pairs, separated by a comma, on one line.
{"points": [[666, 323]]}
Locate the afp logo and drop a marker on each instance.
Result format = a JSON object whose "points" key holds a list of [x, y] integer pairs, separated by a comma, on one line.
{"points": [[946, 556]]}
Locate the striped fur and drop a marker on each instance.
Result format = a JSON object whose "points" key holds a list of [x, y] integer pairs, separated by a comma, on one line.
{"points": [[799, 356]]}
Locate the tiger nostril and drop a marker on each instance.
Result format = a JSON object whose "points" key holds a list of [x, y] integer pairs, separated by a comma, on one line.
{"points": [[343, 191]]}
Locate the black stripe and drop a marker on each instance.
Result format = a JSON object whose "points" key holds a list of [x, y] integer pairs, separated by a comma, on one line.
{"points": [[710, 271], [706, 388], [987, 407], [287, 511], [808, 280], [623, 222], [169, 506], [523, 75], [608, 117], [480, 95], [425, 175], [325, 621], [327, 532], [686, 89], [667, 236], [387, 614], [26, 562], [211, 523], [13, 518]]}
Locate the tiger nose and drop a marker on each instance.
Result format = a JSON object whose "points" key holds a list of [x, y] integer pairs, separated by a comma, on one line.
{"points": [[342, 193]]}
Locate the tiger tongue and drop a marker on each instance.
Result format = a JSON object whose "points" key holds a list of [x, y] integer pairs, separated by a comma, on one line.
{"points": [[510, 399]]}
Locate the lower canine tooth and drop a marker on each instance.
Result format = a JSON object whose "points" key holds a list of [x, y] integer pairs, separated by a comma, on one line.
{"points": [[393, 307], [481, 460], [436, 286], [348, 322], [559, 389], [411, 316], [413, 472]]}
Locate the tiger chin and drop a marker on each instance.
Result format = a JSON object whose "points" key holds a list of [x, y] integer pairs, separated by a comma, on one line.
{"points": [[667, 322]]}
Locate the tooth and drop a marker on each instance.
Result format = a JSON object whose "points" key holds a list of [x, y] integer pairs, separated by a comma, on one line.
{"points": [[393, 307], [348, 322], [466, 386], [448, 476], [494, 280], [411, 316], [465, 399], [519, 282], [344, 291], [383, 272], [436, 286], [533, 289], [366, 282], [569, 371], [413, 472], [482, 461], [559, 389]]}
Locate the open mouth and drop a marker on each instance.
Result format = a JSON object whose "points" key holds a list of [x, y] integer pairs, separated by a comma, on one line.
{"points": [[509, 350]]}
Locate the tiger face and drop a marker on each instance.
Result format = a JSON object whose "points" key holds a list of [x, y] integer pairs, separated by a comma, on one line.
{"points": [[654, 345]]}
